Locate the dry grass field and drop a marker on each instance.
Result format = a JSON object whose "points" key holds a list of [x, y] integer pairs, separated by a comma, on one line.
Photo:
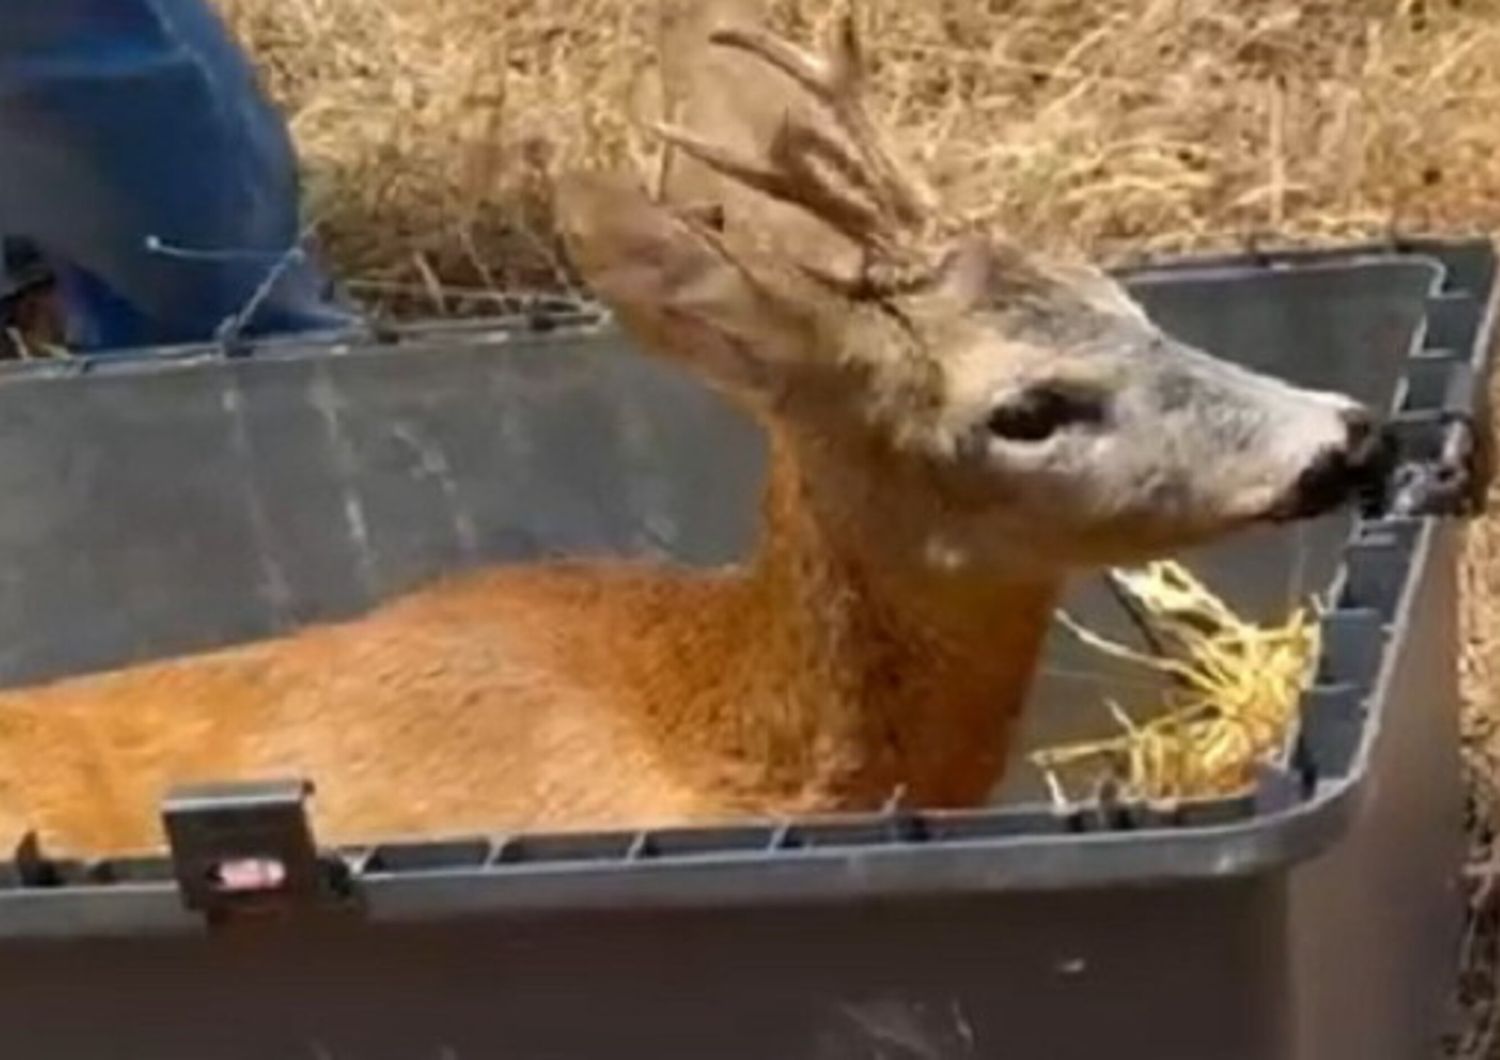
{"points": [[430, 130]]}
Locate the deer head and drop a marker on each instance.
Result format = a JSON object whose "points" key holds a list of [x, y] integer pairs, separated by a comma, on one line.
{"points": [[969, 403]]}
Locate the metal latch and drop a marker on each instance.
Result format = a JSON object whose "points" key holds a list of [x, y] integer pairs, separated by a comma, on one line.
{"points": [[247, 849]]}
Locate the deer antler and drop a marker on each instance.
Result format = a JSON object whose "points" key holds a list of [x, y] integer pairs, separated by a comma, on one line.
{"points": [[841, 175]]}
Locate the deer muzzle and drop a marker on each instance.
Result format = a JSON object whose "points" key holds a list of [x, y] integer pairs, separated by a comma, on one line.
{"points": [[1356, 471]]}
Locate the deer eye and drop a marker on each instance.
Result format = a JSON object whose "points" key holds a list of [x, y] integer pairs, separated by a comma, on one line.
{"points": [[1037, 414]]}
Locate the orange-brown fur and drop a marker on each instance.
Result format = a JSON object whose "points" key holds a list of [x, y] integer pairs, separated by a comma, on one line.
{"points": [[566, 695], [955, 427], [827, 674]]}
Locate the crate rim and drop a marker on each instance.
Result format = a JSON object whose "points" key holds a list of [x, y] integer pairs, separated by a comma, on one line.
{"points": [[1006, 849]]}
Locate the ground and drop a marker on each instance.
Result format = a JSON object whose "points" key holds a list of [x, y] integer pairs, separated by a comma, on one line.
{"points": [[430, 131]]}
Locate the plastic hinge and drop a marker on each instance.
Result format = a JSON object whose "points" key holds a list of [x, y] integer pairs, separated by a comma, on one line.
{"points": [[1453, 319], [1377, 561], [247, 849], [1353, 646], [1329, 734], [1278, 787]]}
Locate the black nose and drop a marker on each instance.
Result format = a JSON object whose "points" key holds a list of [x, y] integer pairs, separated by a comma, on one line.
{"points": [[1358, 470]]}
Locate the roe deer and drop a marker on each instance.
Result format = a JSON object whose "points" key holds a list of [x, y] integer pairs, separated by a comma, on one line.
{"points": [[956, 426]]}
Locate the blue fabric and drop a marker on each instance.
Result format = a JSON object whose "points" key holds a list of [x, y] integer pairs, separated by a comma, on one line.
{"points": [[142, 162]]}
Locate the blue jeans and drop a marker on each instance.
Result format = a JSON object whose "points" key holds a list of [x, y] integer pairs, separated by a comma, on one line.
{"points": [[142, 163]]}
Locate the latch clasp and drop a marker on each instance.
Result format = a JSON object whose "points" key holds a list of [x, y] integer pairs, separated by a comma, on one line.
{"points": [[247, 849]]}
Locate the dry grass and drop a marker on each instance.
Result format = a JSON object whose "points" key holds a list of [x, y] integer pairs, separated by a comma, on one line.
{"points": [[430, 130], [1232, 704]]}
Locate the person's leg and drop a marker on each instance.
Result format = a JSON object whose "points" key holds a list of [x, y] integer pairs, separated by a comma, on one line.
{"points": [[145, 164]]}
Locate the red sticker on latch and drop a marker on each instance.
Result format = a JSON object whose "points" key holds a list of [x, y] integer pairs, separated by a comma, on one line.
{"points": [[251, 874]]}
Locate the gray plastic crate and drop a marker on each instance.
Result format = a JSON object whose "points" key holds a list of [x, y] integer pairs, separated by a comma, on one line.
{"points": [[185, 499]]}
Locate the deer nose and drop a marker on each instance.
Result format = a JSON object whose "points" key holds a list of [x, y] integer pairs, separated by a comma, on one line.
{"points": [[1358, 469]]}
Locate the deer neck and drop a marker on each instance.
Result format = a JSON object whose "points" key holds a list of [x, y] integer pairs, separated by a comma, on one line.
{"points": [[842, 678]]}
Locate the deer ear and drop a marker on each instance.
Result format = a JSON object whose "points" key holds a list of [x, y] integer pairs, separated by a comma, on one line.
{"points": [[673, 286]]}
